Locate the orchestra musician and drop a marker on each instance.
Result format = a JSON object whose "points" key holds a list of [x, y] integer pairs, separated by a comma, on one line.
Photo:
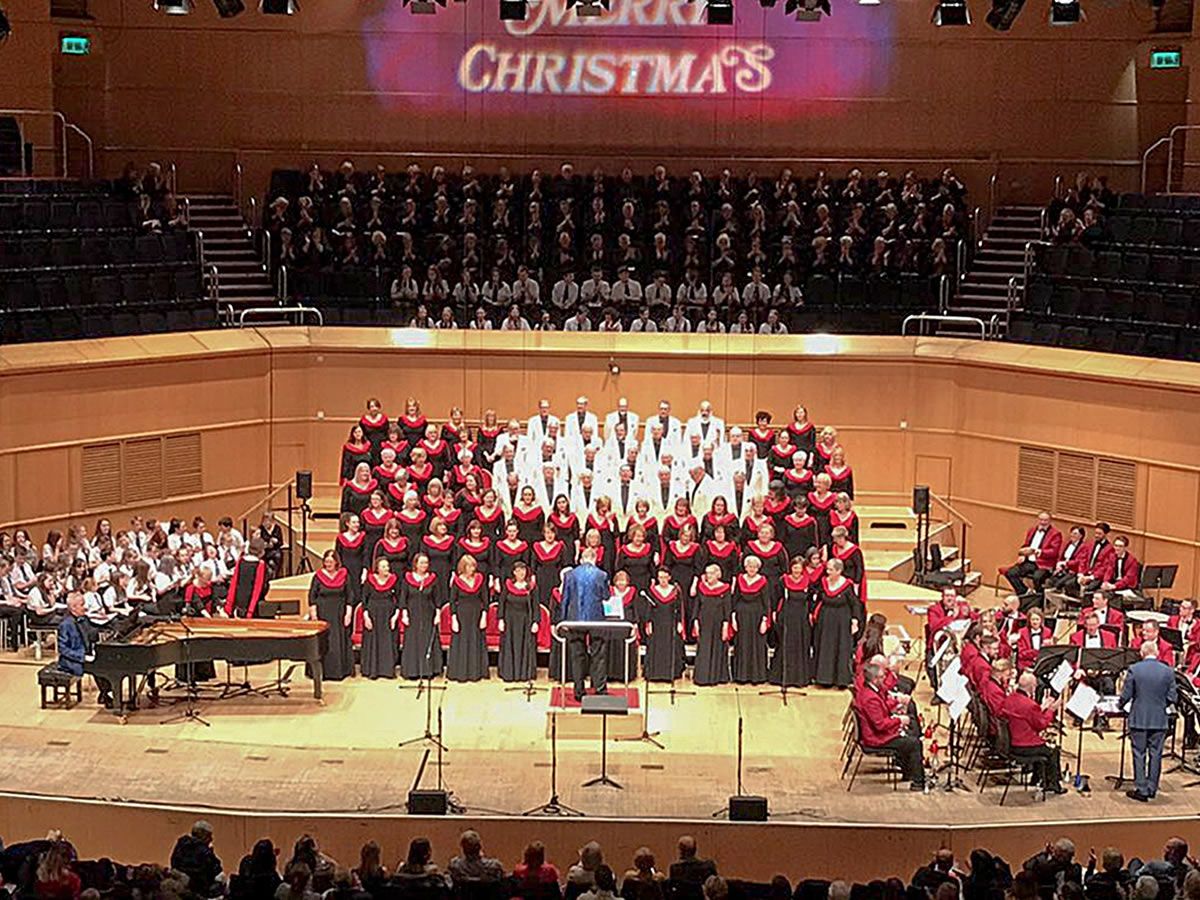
{"points": [[1070, 563], [1096, 554], [1121, 572], [1031, 639], [1036, 560], [1027, 719], [1149, 632], [880, 725]]}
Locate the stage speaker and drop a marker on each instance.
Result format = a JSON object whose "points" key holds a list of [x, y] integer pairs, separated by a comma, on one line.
{"points": [[304, 484], [748, 808], [921, 499], [428, 803]]}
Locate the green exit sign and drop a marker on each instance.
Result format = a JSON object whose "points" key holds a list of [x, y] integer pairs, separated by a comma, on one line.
{"points": [[75, 45], [1166, 59]]}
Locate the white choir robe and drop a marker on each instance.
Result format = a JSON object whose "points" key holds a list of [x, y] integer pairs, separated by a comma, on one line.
{"points": [[701, 495], [575, 447], [532, 469], [506, 501], [583, 502], [672, 431], [536, 432], [632, 420], [728, 453], [653, 495], [570, 424], [520, 445], [622, 510], [758, 479], [618, 449], [714, 435], [729, 492], [649, 458], [544, 500]]}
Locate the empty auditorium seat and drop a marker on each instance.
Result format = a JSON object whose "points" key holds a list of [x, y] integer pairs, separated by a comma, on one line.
{"points": [[1074, 337], [1130, 342]]}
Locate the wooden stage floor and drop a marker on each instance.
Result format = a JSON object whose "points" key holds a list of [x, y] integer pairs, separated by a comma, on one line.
{"points": [[295, 755]]}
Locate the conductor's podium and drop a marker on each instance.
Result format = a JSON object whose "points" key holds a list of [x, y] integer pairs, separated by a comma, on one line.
{"points": [[567, 714]]}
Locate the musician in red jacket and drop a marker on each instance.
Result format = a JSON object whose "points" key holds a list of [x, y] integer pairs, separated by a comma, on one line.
{"points": [[951, 608], [1070, 563], [977, 668], [1031, 639], [879, 727], [1186, 622], [1027, 719], [1149, 632], [1096, 554], [1035, 560], [1121, 571], [1104, 610], [1092, 636], [993, 690]]}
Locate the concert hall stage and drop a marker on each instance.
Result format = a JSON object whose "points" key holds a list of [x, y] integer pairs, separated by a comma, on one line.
{"points": [[295, 758]]}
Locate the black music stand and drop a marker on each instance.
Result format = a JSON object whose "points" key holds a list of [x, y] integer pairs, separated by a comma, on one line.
{"points": [[1108, 661], [429, 687], [1156, 579], [553, 806], [604, 705], [647, 736], [191, 689]]}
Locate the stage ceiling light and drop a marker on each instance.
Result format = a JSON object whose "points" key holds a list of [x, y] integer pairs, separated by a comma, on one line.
{"points": [[5, 26], [951, 12], [513, 10], [175, 7], [589, 8], [1065, 12], [279, 7], [227, 9], [1003, 13], [807, 10], [424, 7], [719, 12]]}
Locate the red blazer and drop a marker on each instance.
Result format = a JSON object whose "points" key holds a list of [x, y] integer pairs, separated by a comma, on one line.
{"points": [[1111, 616], [1026, 654], [993, 695], [1166, 653], [1191, 631], [938, 618], [1129, 577], [1051, 549], [1026, 719], [1085, 554], [1078, 558], [1108, 640], [876, 726], [978, 669]]}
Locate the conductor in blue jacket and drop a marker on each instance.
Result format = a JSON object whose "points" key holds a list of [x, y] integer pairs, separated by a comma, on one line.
{"points": [[1149, 689], [583, 597]]}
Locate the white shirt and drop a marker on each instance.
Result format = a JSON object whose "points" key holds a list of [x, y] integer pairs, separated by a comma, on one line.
{"points": [[658, 294], [779, 328], [522, 324], [645, 325], [564, 295], [677, 326], [496, 294], [575, 323], [706, 327], [592, 289], [625, 292], [757, 293], [692, 293], [527, 291]]}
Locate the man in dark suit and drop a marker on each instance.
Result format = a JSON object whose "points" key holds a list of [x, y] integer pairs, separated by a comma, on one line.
{"points": [[689, 867], [1149, 689]]}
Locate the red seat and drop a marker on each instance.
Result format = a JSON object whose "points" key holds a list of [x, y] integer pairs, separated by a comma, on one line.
{"points": [[544, 639], [357, 633], [444, 626], [492, 633]]}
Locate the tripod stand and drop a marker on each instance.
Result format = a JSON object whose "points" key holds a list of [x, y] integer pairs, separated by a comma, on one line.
{"points": [[192, 691], [426, 684], [553, 806], [305, 513], [646, 736], [452, 804], [724, 810]]}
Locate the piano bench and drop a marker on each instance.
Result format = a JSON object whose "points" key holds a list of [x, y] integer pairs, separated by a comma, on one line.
{"points": [[60, 689]]}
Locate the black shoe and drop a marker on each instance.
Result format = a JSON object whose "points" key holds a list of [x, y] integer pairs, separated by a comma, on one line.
{"points": [[1138, 796], [917, 786], [1057, 789], [578, 696]]}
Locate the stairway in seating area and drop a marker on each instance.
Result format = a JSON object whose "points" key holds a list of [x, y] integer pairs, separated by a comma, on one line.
{"points": [[229, 245], [983, 293]]}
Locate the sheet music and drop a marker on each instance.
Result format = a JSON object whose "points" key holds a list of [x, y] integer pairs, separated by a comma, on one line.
{"points": [[1083, 701], [952, 684], [614, 608], [940, 652], [1061, 677], [959, 705]]}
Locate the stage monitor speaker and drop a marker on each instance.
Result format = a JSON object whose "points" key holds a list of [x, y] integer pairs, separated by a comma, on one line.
{"points": [[428, 803], [921, 499], [304, 484], [747, 808]]}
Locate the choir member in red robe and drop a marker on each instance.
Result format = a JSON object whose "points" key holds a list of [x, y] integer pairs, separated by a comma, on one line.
{"points": [[356, 450], [837, 616], [412, 423], [375, 428]]}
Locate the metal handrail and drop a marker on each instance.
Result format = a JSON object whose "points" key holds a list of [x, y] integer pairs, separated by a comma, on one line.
{"points": [[1010, 301], [271, 495], [1171, 151], [214, 285], [980, 226], [960, 260], [1027, 265], [994, 325], [992, 182], [1058, 185], [253, 204], [922, 318], [265, 239], [967, 525], [91, 147], [52, 113], [237, 183], [943, 293], [1146, 160], [186, 205], [282, 283], [200, 246], [277, 311], [173, 178]]}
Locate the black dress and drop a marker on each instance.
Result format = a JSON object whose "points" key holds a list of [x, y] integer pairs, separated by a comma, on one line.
{"points": [[848, 521], [352, 455], [492, 522], [853, 570], [566, 528], [797, 483], [728, 558], [505, 558], [684, 563], [373, 523], [468, 658], [671, 526], [708, 527], [712, 650], [833, 644], [530, 523], [351, 551], [379, 641], [518, 644], [774, 560], [412, 429], [440, 552], [619, 664], [662, 611], [375, 433], [329, 595], [750, 604], [819, 510], [356, 498], [608, 538], [395, 552], [481, 553], [798, 534], [792, 662], [841, 482], [419, 600], [412, 526], [638, 565]]}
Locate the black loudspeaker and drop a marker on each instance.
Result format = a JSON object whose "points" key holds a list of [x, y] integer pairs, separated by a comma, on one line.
{"points": [[227, 9], [921, 499], [748, 808], [304, 484], [428, 803]]}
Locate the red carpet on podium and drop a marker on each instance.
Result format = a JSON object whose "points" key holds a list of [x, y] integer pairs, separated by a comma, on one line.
{"points": [[558, 695]]}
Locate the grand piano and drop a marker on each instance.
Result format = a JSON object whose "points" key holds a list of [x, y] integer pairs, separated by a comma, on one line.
{"points": [[154, 645]]}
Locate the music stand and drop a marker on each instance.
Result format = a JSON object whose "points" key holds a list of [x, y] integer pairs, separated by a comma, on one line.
{"points": [[553, 806], [1156, 579], [1110, 661], [604, 705]]}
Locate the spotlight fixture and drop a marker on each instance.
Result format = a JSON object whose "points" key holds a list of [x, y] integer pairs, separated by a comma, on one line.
{"points": [[586, 9], [514, 10], [951, 12], [1004, 13], [1065, 12], [227, 9], [5, 26], [278, 7], [175, 7], [807, 10], [719, 12], [423, 7], [767, 4]]}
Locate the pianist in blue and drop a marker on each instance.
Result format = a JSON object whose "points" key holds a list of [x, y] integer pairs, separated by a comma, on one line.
{"points": [[584, 592], [75, 641]]}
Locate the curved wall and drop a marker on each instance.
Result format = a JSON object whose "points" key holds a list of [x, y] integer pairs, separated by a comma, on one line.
{"points": [[245, 409]]}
